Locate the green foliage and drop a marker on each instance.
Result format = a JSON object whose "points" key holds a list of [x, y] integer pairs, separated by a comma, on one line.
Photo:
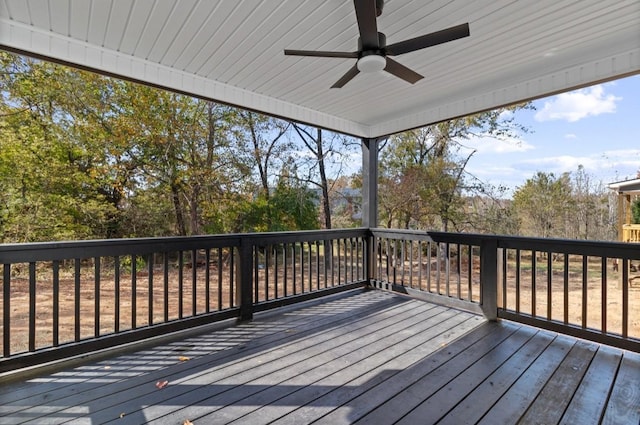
{"points": [[544, 204], [422, 177], [635, 211], [87, 156], [290, 207]]}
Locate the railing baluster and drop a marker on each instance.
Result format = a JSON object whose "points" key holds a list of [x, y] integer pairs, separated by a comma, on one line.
{"points": [[625, 298], [411, 262], [116, 294], [566, 284], [549, 285], [165, 278], [276, 250], [301, 267], [293, 268], [231, 278], [505, 268], [534, 265], [180, 285], [134, 291], [339, 258], [194, 282], [604, 301], [430, 250], [150, 287], [56, 302], [438, 268], [317, 265], [447, 268], [256, 279], [267, 262], [420, 265], [458, 271], [76, 305], [207, 280], [6, 310], [518, 274], [96, 297], [220, 279], [585, 299], [310, 260], [32, 306], [285, 267]]}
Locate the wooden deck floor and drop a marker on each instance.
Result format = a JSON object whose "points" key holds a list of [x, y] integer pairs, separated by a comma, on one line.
{"points": [[362, 357]]}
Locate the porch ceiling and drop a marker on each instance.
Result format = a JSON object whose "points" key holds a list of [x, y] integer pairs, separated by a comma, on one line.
{"points": [[232, 52]]}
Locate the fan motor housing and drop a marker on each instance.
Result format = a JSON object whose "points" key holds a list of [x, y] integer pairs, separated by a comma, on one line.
{"points": [[382, 42]]}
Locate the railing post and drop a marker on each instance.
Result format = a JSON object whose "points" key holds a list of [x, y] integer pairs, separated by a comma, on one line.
{"points": [[370, 257], [489, 278], [244, 279]]}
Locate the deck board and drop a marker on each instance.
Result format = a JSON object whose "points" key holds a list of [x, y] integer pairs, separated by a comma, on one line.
{"points": [[359, 357]]}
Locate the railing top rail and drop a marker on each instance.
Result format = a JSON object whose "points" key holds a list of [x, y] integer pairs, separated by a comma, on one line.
{"points": [[306, 235], [48, 251], [562, 246]]}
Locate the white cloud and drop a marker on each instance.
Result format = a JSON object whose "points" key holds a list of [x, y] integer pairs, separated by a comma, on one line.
{"points": [[570, 136], [622, 161], [579, 104], [492, 145]]}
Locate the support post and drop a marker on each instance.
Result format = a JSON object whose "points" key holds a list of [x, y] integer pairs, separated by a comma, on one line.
{"points": [[489, 278], [370, 200], [369, 183], [244, 279]]}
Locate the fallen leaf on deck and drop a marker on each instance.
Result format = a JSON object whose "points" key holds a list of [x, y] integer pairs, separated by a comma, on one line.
{"points": [[183, 358], [121, 415], [187, 422], [162, 384]]}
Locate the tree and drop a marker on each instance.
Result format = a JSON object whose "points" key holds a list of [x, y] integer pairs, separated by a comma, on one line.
{"points": [[544, 205], [422, 177], [325, 150]]}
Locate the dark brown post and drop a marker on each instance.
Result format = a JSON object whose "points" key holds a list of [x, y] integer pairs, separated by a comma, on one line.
{"points": [[489, 278], [369, 200], [244, 279]]}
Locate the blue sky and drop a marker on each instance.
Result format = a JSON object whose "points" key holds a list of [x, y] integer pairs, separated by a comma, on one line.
{"points": [[597, 127]]}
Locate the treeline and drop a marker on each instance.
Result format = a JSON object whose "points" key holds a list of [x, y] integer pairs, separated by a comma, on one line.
{"points": [[87, 156], [424, 184], [83, 156]]}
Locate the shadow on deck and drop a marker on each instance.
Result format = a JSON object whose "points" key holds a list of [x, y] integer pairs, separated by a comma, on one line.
{"points": [[363, 356]]}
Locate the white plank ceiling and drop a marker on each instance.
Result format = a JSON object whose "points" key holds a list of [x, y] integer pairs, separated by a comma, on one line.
{"points": [[232, 51]]}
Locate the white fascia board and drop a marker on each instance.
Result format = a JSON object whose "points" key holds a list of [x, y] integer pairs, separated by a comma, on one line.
{"points": [[29, 39]]}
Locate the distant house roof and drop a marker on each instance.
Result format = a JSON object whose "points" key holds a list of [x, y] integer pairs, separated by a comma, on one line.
{"points": [[626, 186]]}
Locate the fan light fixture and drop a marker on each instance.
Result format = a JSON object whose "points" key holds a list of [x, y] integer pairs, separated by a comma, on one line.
{"points": [[371, 63]]}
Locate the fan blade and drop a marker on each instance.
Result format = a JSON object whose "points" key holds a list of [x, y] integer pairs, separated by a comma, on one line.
{"points": [[346, 77], [366, 16], [320, 53], [402, 71], [428, 40]]}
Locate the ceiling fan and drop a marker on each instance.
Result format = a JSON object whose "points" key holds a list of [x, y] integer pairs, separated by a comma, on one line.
{"points": [[373, 52]]}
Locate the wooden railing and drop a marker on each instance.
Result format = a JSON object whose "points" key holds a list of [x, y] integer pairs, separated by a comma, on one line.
{"points": [[631, 232], [583, 288], [428, 264], [67, 298], [64, 299]]}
